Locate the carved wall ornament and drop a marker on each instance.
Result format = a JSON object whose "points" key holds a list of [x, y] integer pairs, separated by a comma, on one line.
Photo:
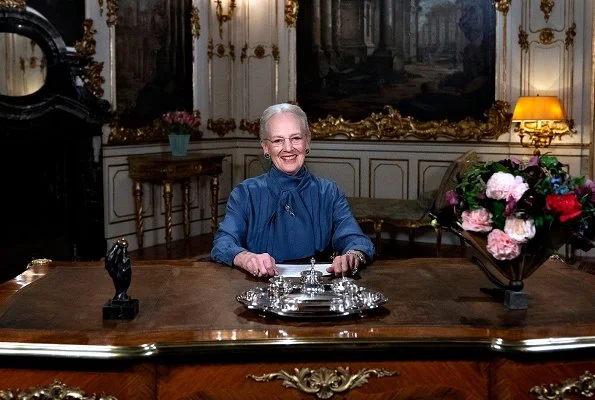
{"points": [[244, 53], [221, 126], [195, 22], [391, 125], [13, 4], [112, 12], [276, 53], [56, 391], [259, 51], [224, 17], [503, 6], [523, 39], [153, 133], [252, 127], [100, 3], [220, 50], [584, 385], [86, 49], [291, 12], [546, 36], [570, 34], [323, 382], [546, 7]]}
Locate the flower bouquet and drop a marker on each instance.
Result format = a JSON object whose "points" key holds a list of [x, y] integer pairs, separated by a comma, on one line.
{"points": [[180, 125], [517, 215], [181, 122]]}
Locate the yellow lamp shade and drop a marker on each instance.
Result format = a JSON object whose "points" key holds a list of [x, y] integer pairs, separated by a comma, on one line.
{"points": [[538, 108]]}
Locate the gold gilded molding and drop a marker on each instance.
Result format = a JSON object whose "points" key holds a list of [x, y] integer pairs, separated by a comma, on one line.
{"points": [[523, 39], [221, 126], [546, 7], [546, 36], [220, 50], [13, 4], [100, 3], [291, 12], [244, 53], [112, 12], [391, 125], [86, 49], [195, 22], [224, 17], [259, 51], [153, 133], [584, 385], [56, 391], [570, 34], [503, 6], [252, 127], [276, 53], [323, 382]]}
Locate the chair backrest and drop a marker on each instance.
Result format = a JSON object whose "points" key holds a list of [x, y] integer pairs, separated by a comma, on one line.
{"points": [[450, 179]]}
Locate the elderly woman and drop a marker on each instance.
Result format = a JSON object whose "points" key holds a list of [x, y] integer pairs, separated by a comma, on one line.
{"points": [[288, 215]]}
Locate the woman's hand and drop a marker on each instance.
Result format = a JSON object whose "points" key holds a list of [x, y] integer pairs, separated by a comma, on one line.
{"points": [[256, 264], [346, 264]]}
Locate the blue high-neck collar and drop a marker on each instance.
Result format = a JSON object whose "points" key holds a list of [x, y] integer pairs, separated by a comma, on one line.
{"points": [[285, 181]]}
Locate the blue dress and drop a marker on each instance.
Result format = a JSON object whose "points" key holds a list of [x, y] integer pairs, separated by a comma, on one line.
{"points": [[290, 217]]}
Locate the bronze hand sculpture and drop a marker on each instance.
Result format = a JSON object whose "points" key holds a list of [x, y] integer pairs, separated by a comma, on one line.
{"points": [[117, 264]]}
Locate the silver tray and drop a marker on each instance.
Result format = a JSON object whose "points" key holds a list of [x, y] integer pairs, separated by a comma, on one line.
{"points": [[300, 298]]}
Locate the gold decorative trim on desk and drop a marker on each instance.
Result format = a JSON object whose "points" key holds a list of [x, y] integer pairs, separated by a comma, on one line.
{"points": [[583, 385], [56, 391], [150, 350], [323, 382]]}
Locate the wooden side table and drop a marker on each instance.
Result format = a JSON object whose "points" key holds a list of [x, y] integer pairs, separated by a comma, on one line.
{"points": [[164, 169]]}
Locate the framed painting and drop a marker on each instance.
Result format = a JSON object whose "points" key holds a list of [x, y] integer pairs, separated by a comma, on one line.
{"points": [[390, 69], [66, 16], [154, 66]]}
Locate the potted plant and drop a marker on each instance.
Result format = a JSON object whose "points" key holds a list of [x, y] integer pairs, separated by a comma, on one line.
{"points": [[179, 126]]}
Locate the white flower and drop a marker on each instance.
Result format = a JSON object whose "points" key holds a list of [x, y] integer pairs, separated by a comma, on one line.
{"points": [[520, 230]]}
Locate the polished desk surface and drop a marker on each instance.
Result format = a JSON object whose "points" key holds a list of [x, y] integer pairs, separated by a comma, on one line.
{"points": [[159, 167], [192, 306]]}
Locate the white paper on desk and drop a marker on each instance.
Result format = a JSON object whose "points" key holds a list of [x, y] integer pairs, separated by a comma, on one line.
{"points": [[295, 270]]}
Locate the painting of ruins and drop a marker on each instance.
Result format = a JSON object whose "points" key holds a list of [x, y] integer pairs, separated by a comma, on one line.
{"points": [[429, 59], [153, 60]]}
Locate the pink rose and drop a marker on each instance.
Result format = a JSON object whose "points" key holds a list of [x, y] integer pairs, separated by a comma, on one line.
{"points": [[479, 220], [520, 230], [502, 185], [501, 246]]}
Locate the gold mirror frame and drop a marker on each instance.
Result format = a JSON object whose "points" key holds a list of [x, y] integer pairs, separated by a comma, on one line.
{"points": [[390, 124], [154, 132]]}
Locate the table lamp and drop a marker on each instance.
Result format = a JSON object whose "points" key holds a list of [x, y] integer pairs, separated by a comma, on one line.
{"points": [[541, 118]]}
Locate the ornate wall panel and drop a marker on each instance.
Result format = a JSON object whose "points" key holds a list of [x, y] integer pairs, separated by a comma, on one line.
{"points": [[389, 178], [546, 50]]}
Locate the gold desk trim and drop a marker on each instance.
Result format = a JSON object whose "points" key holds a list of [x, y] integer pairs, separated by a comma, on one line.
{"points": [[323, 382], [148, 350]]}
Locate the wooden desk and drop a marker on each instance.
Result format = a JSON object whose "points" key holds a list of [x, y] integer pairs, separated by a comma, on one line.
{"points": [[440, 335], [165, 169]]}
